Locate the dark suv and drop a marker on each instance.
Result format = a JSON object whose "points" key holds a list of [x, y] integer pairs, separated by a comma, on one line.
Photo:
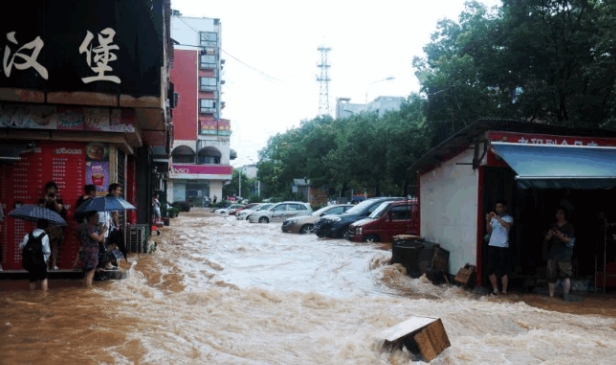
{"points": [[335, 226]]}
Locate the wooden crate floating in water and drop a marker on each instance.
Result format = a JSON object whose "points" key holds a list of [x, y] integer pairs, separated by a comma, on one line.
{"points": [[424, 337], [465, 274]]}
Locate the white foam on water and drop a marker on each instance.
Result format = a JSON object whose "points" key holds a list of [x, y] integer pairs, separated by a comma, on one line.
{"points": [[253, 295]]}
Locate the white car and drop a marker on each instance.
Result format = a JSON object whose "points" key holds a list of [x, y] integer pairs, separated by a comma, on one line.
{"points": [[281, 211], [243, 214], [229, 209]]}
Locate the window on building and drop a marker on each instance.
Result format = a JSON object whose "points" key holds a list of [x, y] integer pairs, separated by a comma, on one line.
{"points": [[207, 106], [208, 61], [209, 38], [207, 83], [183, 159]]}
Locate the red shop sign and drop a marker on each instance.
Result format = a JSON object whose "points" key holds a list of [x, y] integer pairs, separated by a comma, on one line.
{"points": [[547, 139], [23, 182]]}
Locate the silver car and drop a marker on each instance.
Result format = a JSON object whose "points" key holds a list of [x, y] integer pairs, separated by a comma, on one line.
{"points": [[280, 211], [305, 224], [244, 214]]}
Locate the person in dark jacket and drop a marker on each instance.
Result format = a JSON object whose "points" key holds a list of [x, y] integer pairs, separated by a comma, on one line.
{"points": [[560, 235]]}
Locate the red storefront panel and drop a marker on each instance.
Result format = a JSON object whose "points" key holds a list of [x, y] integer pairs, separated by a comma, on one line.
{"points": [[61, 162], [185, 78]]}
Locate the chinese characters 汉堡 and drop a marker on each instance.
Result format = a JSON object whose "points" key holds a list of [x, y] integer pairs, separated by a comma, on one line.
{"points": [[97, 58]]}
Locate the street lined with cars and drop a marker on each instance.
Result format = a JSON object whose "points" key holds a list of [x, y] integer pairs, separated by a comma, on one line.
{"points": [[373, 220]]}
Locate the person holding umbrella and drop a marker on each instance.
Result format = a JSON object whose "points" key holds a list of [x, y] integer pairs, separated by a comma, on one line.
{"points": [[91, 237], [38, 273], [104, 205], [53, 202], [43, 218]]}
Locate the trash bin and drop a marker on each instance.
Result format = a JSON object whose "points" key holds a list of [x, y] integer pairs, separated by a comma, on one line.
{"points": [[405, 251]]}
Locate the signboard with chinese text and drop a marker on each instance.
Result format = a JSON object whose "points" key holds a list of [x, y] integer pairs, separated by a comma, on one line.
{"points": [[526, 138], [208, 126], [224, 127], [68, 119], [542, 139], [100, 46]]}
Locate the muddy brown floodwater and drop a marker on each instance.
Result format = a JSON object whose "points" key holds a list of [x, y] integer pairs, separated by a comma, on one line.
{"points": [[222, 291]]}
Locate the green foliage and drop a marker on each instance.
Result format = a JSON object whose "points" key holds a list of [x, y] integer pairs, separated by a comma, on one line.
{"points": [[547, 61], [232, 189]]}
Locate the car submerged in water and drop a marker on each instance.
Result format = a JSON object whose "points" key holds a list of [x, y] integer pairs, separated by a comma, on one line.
{"points": [[335, 226], [245, 213], [305, 224], [387, 221], [280, 211]]}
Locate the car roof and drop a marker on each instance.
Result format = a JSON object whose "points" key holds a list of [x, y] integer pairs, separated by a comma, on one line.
{"points": [[401, 202]]}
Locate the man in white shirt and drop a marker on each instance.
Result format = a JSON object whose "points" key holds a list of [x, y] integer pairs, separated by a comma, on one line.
{"points": [[39, 274], [106, 217], [498, 225]]}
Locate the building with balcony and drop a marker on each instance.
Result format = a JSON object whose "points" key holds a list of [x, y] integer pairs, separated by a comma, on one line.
{"points": [[201, 153], [380, 105]]}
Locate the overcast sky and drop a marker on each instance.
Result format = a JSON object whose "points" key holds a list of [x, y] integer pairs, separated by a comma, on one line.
{"points": [[270, 47]]}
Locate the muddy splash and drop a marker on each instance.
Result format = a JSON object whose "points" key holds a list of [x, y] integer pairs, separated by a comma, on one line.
{"points": [[222, 291]]}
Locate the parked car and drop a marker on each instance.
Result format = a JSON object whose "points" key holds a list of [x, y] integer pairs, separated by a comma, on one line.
{"points": [[229, 209], [243, 214], [305, 224], [249, 206], [388, 220], [335, 226], [280, 211], [224, 205]]}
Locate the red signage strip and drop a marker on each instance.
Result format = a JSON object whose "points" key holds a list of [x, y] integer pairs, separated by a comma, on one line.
{"points": [[546, 139]]}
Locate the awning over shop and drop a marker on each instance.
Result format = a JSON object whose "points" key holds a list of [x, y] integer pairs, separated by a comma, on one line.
{"points": [[559, 167], [9, 153]]}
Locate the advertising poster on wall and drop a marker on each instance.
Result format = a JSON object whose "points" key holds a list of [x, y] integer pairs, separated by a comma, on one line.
{"points": [[97, 166]]}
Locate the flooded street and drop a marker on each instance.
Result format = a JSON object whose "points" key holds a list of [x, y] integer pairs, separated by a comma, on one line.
{"points": [[222, 291]]}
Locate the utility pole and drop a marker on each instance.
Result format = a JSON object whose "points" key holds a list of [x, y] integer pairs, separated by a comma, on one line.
{"points": [[323, 79]]}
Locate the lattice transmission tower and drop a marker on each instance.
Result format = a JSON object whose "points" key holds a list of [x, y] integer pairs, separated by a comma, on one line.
{"points": [[323, 79]]}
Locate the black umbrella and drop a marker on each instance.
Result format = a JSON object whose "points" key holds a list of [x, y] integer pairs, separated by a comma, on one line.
{"points": [[33, 213]]}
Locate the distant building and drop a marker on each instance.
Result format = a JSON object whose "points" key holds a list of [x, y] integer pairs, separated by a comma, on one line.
{"points": [[201, 154], [311, 195], [380, 105]]}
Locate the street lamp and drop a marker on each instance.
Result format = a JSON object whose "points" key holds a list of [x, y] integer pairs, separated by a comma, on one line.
{"points": [[377, 81]]}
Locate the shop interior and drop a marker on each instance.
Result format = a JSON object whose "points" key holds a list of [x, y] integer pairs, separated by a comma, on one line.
{"points": [[534, 210]]}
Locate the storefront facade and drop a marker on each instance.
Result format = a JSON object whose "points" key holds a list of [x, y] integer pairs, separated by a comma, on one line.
{"points": [[80, 104], [536, 169], [188, 182]]}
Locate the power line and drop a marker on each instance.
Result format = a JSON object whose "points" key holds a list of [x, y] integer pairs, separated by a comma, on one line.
{"points": [[232, 56], [251, 67]]}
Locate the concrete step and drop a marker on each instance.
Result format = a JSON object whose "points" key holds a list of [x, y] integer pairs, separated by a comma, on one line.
{"points": [[61, 274]]}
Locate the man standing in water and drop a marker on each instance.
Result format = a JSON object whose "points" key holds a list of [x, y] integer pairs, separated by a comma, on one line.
{"points": [[498, 225], [559, 258]]}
